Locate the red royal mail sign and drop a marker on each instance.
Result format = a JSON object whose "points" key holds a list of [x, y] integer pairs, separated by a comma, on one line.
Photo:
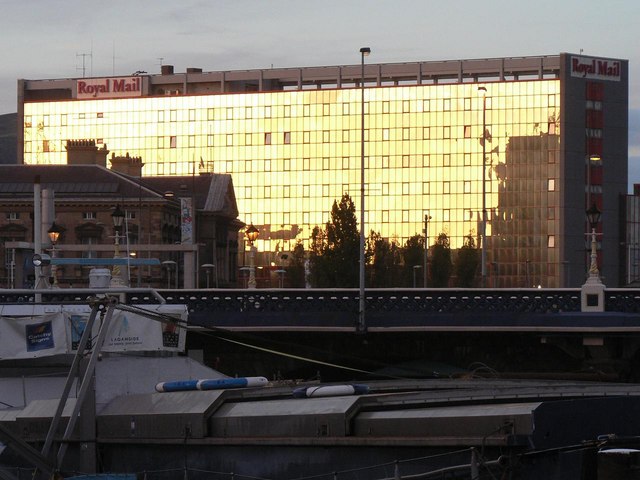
{"points": [[595, 68], [109, 87]]}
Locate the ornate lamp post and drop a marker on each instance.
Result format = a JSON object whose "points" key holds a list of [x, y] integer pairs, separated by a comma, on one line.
{"points": [[593, 215], [117, 217], [593, 161], [54, 234], [592, 291], [252, 235]]}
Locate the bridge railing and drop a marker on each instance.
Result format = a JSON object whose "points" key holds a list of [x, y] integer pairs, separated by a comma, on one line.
{"points": [[377, 300], [526, 300]]}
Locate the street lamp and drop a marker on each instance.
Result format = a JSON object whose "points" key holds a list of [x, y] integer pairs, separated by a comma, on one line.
{"points": [[592, 291], [252, 235], [281, 273], [54, 234], [207, 268], [593, 216], [427, 217], [593, 160], [483, 232], [415, 271], [364, 52], [117, 217], [169, 265]]}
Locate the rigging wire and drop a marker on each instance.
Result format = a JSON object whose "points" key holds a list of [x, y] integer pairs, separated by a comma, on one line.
{"points": [[218, 333]]}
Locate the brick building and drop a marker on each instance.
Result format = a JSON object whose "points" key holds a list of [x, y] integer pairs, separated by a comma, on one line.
{"points": [[81, 196]]}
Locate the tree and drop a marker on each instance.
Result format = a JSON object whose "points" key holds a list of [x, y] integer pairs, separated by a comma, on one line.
{"points": [[412, 255], [441, 265], [296, 268], [385, 259], [466, 264], [335, 251], [319, 276]]}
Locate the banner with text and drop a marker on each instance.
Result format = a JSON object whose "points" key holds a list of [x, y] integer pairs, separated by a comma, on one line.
{"points": [[60, 332]]}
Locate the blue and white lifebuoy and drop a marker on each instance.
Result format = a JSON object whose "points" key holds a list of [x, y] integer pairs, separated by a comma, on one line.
{"points": [[240, 382], [177, 386], [211, 384], [330, 391]]}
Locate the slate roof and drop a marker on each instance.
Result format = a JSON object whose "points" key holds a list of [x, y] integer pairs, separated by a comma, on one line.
{"points": [[213, 193]]}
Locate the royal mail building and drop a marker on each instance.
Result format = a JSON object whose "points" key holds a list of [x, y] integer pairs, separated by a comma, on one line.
{"points": [[552, 131]]}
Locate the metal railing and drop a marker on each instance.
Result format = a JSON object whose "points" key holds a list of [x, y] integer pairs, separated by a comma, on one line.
{"points": [[533, 300]]}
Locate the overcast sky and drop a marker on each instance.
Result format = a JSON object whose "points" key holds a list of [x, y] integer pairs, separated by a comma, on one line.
{"points": [[58, 38]]}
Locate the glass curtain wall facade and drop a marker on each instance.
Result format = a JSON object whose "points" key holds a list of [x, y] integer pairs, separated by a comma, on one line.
{"points": [[293, 153]]}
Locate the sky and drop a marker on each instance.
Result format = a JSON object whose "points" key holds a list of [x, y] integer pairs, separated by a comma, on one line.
{"points": [[64, 38]]}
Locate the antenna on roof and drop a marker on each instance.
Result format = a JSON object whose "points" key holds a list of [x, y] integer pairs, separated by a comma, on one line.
{"points": [[84, 67]]}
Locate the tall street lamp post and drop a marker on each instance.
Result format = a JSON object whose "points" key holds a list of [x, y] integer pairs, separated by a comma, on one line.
{"points": [[362, 326], [252, 235], [54, 234], [483, 233], [117, 217], [427, 217]]}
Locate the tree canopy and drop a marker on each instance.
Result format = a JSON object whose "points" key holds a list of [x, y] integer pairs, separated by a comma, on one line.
{"points": [[441, 265], [466, 264], [334, 257], [335, 250]]}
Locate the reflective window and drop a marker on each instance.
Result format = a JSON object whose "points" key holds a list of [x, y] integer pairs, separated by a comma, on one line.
{"points": [[423, 150]]}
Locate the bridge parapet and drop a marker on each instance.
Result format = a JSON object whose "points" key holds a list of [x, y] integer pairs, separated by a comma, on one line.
{"points": [[386, 309], [244, 301]]}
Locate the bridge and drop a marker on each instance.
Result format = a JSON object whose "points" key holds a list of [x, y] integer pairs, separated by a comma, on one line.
{"points": [[409, 309], [386, 310], [505, 329]]}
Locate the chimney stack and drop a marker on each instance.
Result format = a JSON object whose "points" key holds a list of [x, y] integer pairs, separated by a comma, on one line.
{"points": [[131, 166], [86, 152]]}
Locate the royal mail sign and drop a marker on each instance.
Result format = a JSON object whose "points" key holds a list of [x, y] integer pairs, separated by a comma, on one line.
{"points": [[114, 87], [596, 68]]}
